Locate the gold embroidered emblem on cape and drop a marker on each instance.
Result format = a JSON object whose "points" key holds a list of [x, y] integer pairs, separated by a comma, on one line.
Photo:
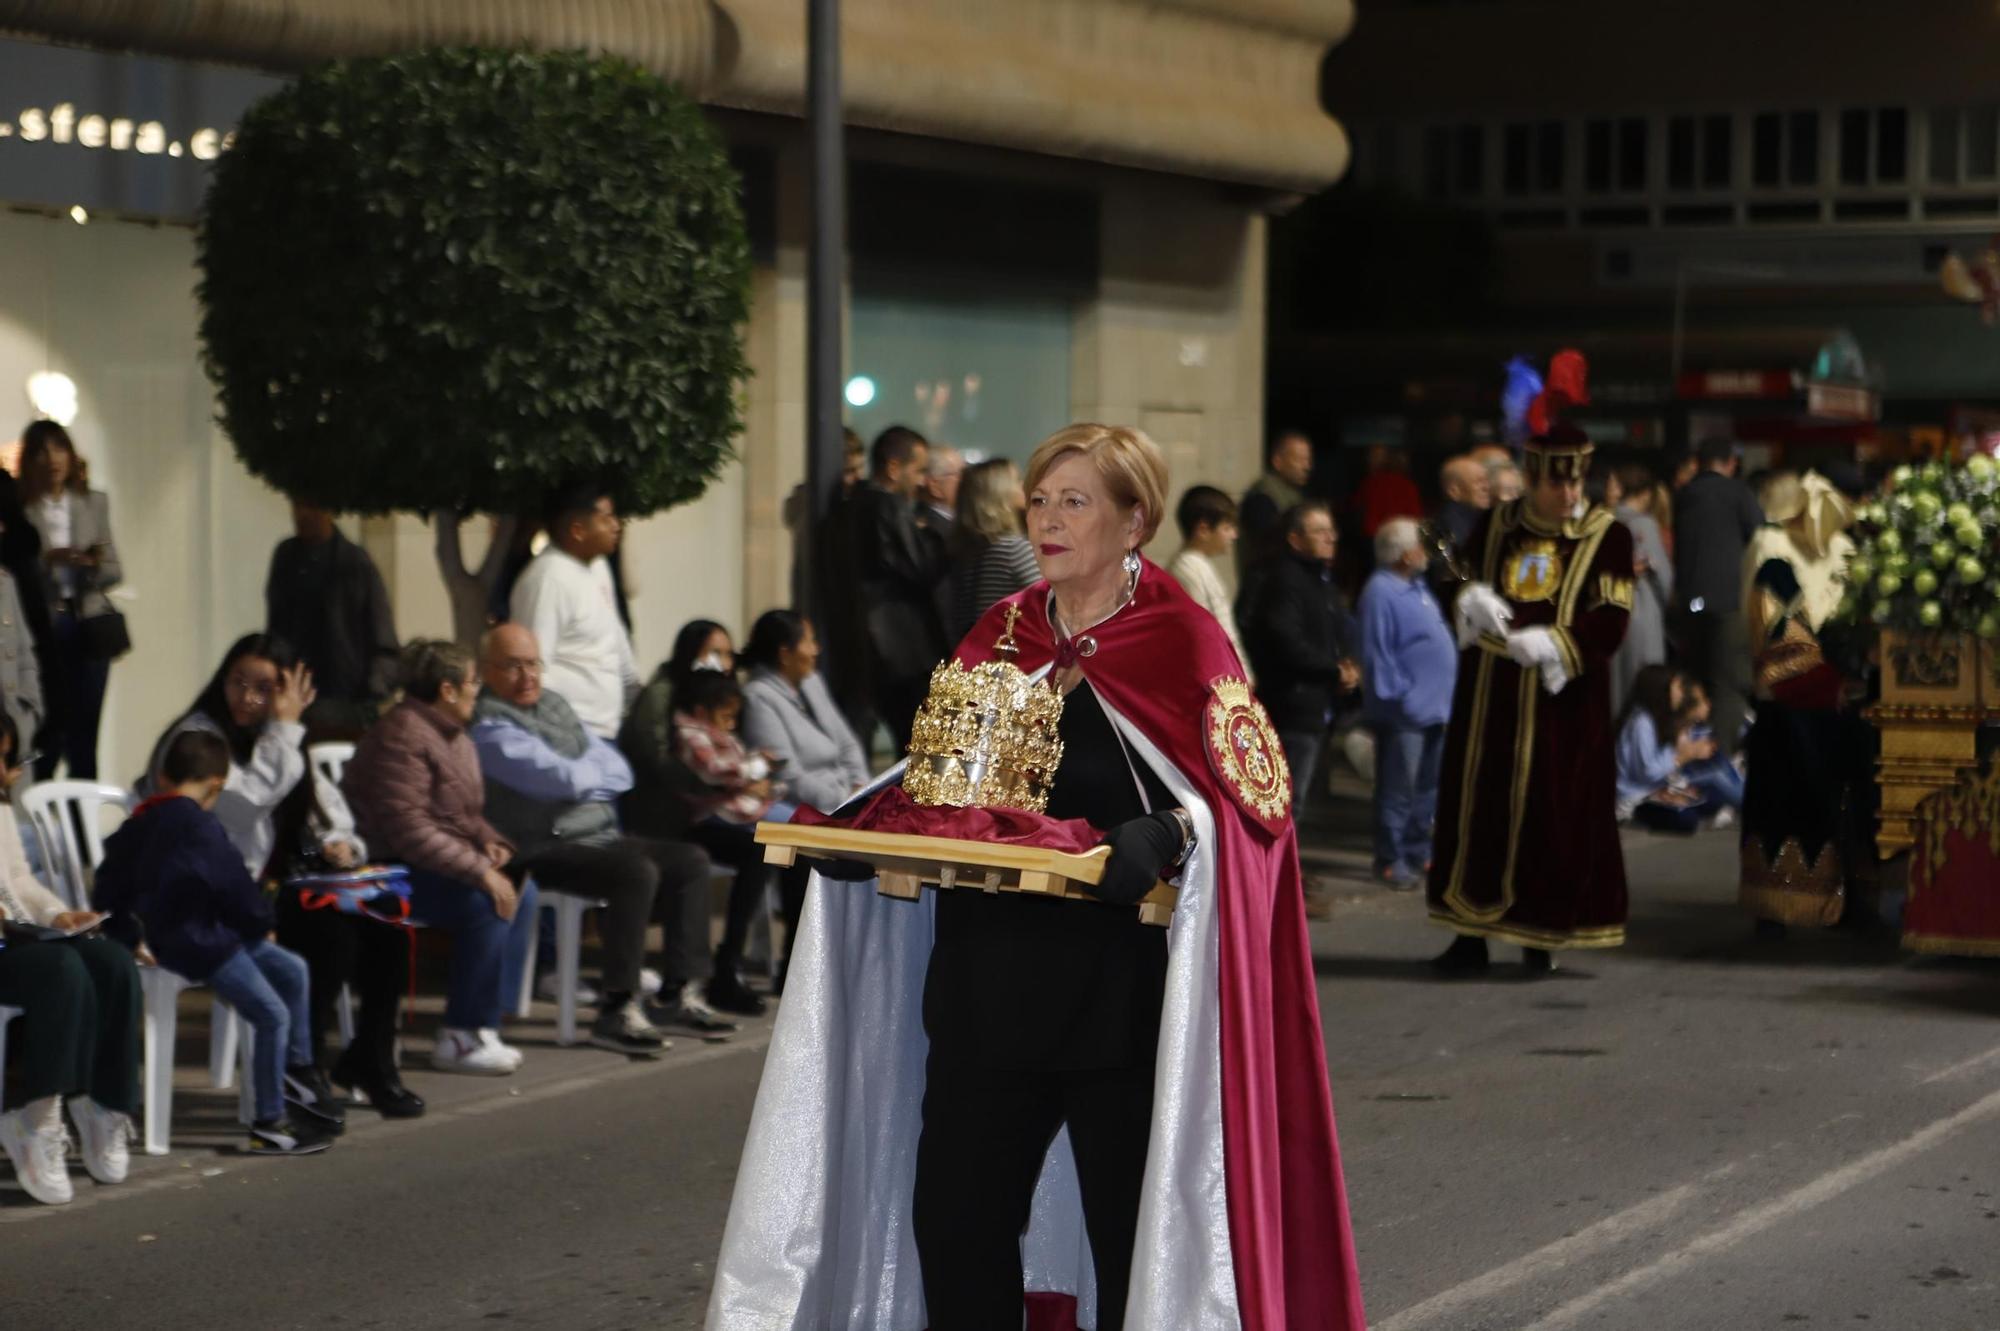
{"points": [[1533, 572], [1243, 749]]}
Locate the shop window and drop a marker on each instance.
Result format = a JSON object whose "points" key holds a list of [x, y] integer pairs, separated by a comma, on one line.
{"points": [[1718, 152], [1551, 150], [1454, 161], [1631, 154], [1892, 145], [1700, 152], [1680, 153], [1469, 161], [1802, 148], [984, 367], [1944, 133], [1532, 158], [1874, 146], [1767, 150], [1614, 155], [1982, 135], [1437, 162], [1597, 156], [1854, 147]]}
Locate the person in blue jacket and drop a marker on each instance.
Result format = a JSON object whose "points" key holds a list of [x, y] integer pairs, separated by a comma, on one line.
{"points": [[1409, 666], [172, 879]]}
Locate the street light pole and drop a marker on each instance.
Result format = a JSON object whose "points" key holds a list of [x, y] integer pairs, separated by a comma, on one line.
{"points": [[826, 268]]}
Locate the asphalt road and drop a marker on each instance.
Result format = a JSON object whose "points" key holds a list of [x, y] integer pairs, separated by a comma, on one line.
{"points": [[1697, 1131]]}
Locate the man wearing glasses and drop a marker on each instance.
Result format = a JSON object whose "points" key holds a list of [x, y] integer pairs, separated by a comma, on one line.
{"points": [[551, 789]]}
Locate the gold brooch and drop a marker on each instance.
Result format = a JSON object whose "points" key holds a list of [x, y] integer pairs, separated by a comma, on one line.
{"points": [[1532, 572], [1244, 751]]}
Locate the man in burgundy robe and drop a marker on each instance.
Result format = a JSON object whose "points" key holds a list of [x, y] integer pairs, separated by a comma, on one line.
{"points": [[1527, 838]]}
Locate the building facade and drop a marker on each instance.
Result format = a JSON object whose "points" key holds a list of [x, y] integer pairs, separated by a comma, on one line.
{"points": [[1059, 211], [1723, 204]]}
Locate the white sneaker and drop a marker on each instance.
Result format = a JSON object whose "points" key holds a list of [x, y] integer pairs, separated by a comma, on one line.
{"points": [[549, 990], [465, 1051], [491, 1039], [39, 1155], [650, 982], [1724, 818], [103, 1134]]}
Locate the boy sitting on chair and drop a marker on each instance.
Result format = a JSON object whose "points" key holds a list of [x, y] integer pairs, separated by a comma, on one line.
{"points": [[171, 876]]}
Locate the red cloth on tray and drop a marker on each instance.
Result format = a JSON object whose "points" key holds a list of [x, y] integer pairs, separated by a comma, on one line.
{"points": [[892, 810]]}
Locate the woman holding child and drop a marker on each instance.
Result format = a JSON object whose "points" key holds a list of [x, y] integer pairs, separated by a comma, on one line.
{"points": [[284, 819]]}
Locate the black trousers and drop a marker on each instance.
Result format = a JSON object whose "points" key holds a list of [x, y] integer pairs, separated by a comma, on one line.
{"points": [[985, 1133], [1718, 654], [640, 880], [342, 949], [79, 1029], [735, 845]]}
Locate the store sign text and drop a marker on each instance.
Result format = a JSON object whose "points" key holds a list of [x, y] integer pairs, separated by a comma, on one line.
{"points": [[61, 124]]}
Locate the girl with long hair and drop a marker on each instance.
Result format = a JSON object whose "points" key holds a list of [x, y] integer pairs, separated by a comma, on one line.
{"points": [[284, 820]]}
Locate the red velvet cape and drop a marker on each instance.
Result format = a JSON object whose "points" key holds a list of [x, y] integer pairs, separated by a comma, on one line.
{"points": [[1289, 1233]]}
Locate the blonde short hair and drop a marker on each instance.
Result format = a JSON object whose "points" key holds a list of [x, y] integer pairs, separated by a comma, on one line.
{"points": [[986, 501], [1131, 466]]}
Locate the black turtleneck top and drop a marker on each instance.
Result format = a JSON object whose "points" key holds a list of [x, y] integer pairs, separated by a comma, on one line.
{"points": [[1020, 982]]}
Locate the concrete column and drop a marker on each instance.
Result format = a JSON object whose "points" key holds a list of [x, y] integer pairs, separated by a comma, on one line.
{"points": [[1174, 341]]}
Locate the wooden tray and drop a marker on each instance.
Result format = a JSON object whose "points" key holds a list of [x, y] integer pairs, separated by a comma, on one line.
{"points": [[906, 864]]}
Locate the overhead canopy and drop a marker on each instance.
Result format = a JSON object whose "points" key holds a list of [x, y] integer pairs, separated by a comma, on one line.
{"points": [[1226, 90]]}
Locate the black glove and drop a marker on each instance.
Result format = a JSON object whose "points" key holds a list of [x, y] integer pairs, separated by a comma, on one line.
{"points": [[845, 871], [1141, 850]]}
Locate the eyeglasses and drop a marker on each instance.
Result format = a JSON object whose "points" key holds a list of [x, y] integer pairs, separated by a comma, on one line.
{"points": [[249, 688], [521, 667]]}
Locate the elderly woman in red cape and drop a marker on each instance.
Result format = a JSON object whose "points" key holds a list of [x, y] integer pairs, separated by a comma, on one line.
{"points": [[976, 1105]]}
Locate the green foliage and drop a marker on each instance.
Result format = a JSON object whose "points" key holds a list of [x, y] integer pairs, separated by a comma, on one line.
{"points": [[1926, 552], [459, 278]]}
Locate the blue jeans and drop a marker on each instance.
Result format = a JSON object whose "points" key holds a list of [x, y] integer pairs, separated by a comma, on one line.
{"points": [[487, 952], [269, 989], [1302, 750], [1407, 763], [1720, 784]]}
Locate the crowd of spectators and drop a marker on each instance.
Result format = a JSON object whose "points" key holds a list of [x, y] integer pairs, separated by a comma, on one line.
{"points": [[478, 780], [544, 761]]}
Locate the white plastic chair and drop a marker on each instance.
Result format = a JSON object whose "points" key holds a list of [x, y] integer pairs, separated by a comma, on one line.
{"points": [[68, 817], [330, 759], [569, 909], [226, 1049]]}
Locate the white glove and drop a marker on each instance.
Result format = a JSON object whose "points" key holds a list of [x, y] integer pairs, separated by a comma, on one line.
{"points": [[1535, 649], [1480, 609]]}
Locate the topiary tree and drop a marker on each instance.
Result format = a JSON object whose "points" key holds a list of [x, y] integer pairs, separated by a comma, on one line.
{"points": [[452, 281]]}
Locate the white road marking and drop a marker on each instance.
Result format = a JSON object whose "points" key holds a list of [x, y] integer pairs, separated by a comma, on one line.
{"points": [[1959, 1069], [1757, 1218], [1643, 1218]]}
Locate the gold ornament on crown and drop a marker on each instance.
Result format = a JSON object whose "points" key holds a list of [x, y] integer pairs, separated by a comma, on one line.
{"points": [[986, 737]]}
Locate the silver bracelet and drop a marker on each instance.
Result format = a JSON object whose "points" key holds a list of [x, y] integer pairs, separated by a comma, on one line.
{"points": [[1186, 820]]}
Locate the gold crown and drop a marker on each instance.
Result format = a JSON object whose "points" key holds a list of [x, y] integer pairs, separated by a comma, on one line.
{"points": [[986, 737]]}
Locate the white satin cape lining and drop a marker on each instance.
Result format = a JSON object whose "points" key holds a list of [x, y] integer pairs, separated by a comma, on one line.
{"points": [[819, 1236]]}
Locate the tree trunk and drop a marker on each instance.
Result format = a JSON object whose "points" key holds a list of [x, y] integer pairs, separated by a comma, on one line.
{"points": [[471, 589]]}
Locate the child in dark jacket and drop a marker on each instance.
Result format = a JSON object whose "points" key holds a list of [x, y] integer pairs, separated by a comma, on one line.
{"points": [[171, 878]]}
